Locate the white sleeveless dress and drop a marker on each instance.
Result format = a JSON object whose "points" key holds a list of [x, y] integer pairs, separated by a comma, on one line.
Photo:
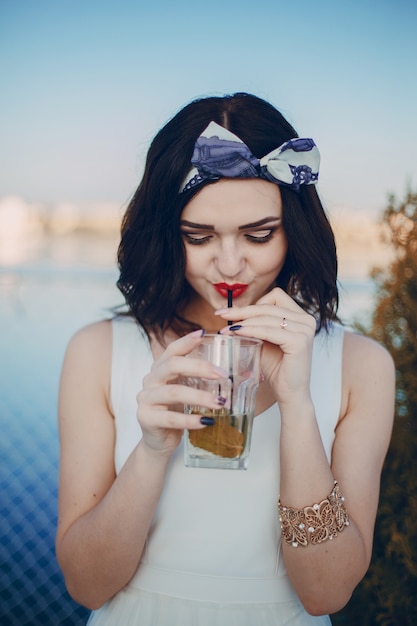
{"points": [[213, 557]]}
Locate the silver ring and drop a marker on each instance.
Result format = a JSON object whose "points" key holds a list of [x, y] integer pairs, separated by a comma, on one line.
{"points": [[284, 324]]}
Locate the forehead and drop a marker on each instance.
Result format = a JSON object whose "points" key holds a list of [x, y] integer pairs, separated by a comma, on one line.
{"points": [[243, 200]]}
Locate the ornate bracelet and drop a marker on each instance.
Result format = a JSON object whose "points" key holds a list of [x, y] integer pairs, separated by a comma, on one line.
{"points": [[314, 524]]}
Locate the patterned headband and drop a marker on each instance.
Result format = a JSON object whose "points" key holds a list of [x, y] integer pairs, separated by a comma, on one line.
{"points": [[218, 153]]}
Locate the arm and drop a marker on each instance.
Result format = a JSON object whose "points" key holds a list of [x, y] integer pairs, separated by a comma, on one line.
{"points": [[325, 575], [104, 519]]}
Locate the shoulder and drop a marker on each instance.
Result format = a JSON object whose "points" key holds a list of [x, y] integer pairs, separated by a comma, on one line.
{"points": [[97, 344], [368, 376], [94, 339], [88, 356], [363, 355], [85, 377]]}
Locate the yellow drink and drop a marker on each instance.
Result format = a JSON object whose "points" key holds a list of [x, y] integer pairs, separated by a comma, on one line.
{"points": [[225, 438]]}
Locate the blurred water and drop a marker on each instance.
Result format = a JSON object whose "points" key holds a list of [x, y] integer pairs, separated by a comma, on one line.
{"points": [[39, 310], [41, 305]]}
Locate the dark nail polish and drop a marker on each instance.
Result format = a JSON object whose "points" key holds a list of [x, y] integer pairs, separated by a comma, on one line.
{"points": [[235, 327], [221, 400], [207, 421]]}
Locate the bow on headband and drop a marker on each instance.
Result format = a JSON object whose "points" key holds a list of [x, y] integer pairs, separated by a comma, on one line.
{"points": [[218, 153]]}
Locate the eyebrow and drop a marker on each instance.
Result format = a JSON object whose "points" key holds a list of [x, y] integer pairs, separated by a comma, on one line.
{"points": [[265, 220]]}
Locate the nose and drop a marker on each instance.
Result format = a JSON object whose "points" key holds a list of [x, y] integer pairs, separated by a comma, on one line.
{"points": [[230, 260]]}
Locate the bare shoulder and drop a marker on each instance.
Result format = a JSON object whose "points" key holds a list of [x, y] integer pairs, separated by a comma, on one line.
{"points": [[363, 357], [367, 410], [96, 336], [368, 380], [87, 359]]}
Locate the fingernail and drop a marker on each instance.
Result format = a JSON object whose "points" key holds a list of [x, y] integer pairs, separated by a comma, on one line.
{"points": [[221, 400], [200, 332], [261, 378], [207, 421], [235, 327]]}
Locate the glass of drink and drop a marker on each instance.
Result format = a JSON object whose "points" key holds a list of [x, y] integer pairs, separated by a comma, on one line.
{"points": [[226, 443]]}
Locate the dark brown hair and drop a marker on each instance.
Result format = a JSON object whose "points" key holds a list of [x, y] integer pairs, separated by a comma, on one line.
{"points": [[151, 254]]}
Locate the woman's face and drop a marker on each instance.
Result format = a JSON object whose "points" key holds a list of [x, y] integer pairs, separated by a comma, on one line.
{"points": [[234, 240]]}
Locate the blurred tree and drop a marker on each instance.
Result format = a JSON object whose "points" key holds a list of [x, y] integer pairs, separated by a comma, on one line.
{"points": [[388, 594]]}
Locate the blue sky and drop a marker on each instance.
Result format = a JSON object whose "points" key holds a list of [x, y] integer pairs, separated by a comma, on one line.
{"points": [[87, 83]]}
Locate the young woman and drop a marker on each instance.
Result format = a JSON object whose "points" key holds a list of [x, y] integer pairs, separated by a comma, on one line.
{"points": [[227, 203]]}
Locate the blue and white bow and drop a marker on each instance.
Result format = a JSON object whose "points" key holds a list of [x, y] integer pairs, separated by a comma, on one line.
{"points": [[218, 153]]}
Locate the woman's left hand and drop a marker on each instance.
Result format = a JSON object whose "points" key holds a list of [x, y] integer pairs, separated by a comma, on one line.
{"points": [[288, 334]]}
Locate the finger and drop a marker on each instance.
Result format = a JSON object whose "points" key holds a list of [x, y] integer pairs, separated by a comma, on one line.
{"points": [[275, 297], [255, 310], [273, 317], [290, 336], [184, 345], [172, 420], [171, 368], [278, 297], [178, 394]]}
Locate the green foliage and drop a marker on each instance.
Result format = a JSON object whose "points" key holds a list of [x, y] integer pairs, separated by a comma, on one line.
{"points": [[388, 594]]}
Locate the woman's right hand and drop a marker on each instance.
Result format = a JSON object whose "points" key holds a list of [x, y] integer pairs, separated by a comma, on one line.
{"points": [[160, 403], [104, 518]]}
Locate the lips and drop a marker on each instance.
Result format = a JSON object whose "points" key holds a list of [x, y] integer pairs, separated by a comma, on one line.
{"points": [[237, 289]]}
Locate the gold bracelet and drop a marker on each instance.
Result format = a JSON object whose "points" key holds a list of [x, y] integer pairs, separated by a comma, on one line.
{"points": [[314, 524]]}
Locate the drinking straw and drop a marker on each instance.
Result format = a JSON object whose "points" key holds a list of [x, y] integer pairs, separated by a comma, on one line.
{"points": [[229, 303], [230, 351]]}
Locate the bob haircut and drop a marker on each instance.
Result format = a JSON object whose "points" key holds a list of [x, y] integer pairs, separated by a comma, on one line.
{"points": [[151, 254]]}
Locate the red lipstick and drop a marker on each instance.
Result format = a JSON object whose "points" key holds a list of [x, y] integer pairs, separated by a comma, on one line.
{"points": [[237, 289]]}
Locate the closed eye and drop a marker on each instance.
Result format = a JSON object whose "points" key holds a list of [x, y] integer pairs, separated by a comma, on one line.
{"points": [[195, 239], [260, 236]]}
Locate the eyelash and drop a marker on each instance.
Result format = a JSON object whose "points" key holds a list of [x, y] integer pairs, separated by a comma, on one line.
{"points": [[200, 241], [263, 239], [194, 241]]}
